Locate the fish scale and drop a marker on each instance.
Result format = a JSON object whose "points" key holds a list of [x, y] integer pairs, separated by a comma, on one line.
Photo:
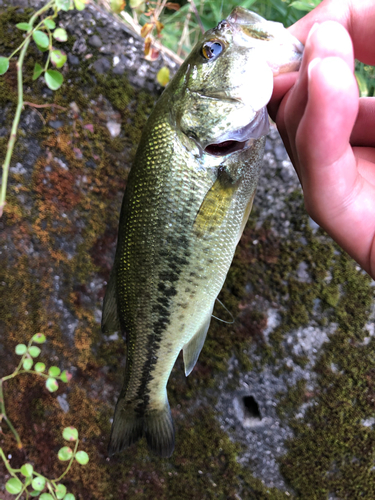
{"points": [[187, 200]]}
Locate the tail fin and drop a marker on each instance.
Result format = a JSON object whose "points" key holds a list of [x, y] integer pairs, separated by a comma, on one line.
{"points": [[128, 426]]}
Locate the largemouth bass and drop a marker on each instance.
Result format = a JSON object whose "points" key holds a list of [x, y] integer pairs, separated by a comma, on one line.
{"points": [[187, 200]]}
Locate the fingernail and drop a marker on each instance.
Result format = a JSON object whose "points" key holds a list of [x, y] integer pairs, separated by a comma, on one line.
{"points": [[314, 27], [312, 64]]}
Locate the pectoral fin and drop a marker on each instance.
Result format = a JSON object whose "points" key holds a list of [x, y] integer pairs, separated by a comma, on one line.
{"points": [[193, 348], [110, 318], [214, 207], [246, 215]]}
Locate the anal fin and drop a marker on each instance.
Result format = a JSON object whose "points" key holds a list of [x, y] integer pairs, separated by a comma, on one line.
{"points": [[193, 348]]}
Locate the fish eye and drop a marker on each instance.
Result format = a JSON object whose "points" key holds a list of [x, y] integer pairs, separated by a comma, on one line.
{"points": [[212, 49]]}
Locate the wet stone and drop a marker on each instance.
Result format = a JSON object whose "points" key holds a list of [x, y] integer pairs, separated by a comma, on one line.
{"points": [[102, 65], [32, 122], [56, 124], [119, 69], [106, 49], [95, 41], [73, 60]]}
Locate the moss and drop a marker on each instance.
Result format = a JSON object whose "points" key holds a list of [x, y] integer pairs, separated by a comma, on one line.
{"points": [[332, 436], [290, 402]]}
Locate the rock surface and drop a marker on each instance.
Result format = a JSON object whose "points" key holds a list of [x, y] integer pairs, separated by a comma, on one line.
{"points": [[280, 404]]}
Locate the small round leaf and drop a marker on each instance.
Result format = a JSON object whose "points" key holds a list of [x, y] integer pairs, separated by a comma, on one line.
{"points": [[60, 491], [34, 351], [13, 486], [27, 364], [34, 493], [69, 496], [80, 4], [42, 49], [54, 371], [40, 367], [53, 79], [117, 5], [58, 58], [70, 434], [20, 349], [46, 496], [38, 483], [4, 65], [136, 3], [50, 24], [52, 384], [23, 26], [39, 338], [65, 454], [41, 39], [63, 4], [82, 457], [27, 470], [65, 376], [60, 35]]}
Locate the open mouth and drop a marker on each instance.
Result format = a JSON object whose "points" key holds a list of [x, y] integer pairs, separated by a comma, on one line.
{"points": [[225, 148], [241, 138]]}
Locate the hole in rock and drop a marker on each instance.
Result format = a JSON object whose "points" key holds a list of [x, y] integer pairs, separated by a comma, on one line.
{"points": [[251, 407]]}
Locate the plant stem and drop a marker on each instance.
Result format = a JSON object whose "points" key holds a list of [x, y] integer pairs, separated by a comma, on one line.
{"points": [[21, 492], [17, 116], [4, 416], [70, 463], [6, 462], [50, 486]]}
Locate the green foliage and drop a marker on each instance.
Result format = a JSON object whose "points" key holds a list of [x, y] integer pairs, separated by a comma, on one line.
{"points": [[60, 35], [23, 26], [82, 457], [65, 453], [366, 79], [305, 5], [4, 65], [42, 35], [40, 38], [26, 479], [70, 434], [53, 79], [13, 486]]}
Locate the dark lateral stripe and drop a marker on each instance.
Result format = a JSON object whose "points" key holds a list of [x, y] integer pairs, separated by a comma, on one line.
{"points": [[166, 290]]}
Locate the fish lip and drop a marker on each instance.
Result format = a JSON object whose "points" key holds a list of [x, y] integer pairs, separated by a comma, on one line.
{"points": [[242, 138]]}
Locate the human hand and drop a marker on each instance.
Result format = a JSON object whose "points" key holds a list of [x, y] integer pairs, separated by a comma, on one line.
{"points": [[328, 131]]}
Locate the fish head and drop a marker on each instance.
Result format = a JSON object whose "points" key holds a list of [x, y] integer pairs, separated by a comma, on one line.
{"points": [[227, 81]]}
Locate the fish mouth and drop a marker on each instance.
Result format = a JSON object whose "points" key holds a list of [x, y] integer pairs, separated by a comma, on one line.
{"points": [[242, 138], [225, 148]]}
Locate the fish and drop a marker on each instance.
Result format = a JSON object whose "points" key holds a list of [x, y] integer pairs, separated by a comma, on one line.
{"points": [[187, 200]]}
